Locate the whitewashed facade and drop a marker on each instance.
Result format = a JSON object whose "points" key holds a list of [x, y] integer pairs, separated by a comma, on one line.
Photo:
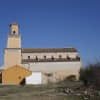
{"points": [[55, 64], [34, 79]]}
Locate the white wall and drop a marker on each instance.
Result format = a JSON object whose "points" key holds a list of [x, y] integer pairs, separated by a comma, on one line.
{"points": [[64, 68], [53, 66], [34, 78], [59, 70]]}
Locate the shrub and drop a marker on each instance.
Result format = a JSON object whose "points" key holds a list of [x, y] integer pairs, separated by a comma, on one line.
{"points": [[91, 75], [71, 78]]}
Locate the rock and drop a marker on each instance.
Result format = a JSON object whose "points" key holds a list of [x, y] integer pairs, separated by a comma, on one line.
{"points": [[85, 92], [85, 98]]}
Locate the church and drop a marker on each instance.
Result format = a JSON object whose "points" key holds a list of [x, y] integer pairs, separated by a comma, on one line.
{"points": [[45, 65]]}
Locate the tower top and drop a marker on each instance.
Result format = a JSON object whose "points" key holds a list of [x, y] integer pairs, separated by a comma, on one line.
{"points": [[14, 23], [14, 29], [14, 39]]}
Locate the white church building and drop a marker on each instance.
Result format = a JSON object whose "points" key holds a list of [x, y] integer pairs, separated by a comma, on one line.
{"points": [[48, 65]]}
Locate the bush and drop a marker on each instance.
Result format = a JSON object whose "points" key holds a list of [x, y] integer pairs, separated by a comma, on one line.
{"points": [[91, 75], [71, 78]]}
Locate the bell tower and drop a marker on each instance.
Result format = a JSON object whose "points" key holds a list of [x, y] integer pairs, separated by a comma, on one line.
{"points": [[14, 39], [12, 52], [14, 29]]}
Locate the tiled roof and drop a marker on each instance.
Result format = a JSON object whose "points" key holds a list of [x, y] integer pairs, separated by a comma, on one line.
{"points": [[40, 50]]}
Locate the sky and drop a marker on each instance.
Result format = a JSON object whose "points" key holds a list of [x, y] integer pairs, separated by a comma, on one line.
{"points": [[53, 24]]}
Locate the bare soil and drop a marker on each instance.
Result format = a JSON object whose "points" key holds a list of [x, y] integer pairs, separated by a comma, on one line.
{"points": [[60, 91]]}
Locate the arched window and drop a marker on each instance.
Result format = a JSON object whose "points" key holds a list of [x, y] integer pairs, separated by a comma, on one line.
{"points": [[14, 32]]}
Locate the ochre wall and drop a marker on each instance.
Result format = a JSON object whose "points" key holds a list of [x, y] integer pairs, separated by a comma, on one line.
{"points": [[12, 57], [14, 75], [14, 42], [12, 53]]}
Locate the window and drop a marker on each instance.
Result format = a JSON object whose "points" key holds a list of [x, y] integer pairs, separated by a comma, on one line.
{"points": [[49, 74], [68, 58], [52, 57], [36, 58], [19, 77], [77, 57], [60, 56], [44, 57], [14, 32], [28, 57]]}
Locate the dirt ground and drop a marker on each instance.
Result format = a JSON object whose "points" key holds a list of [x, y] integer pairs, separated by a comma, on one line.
{"points": [[40, 92], [43, 92]]}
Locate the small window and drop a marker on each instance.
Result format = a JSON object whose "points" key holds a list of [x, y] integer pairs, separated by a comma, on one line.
{"points": [[68, 57], [28, 57], [52, 57], [60, 56], [49, 74], [36, 58], [44, 57], [14, 32], [77, 57], [19, 77]]}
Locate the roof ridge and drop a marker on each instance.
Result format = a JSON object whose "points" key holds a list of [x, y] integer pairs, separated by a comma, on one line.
{"points": [[30, 50]]}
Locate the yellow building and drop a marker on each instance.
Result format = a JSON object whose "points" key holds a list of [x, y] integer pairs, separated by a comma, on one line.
{"points": [[14, 75]]}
